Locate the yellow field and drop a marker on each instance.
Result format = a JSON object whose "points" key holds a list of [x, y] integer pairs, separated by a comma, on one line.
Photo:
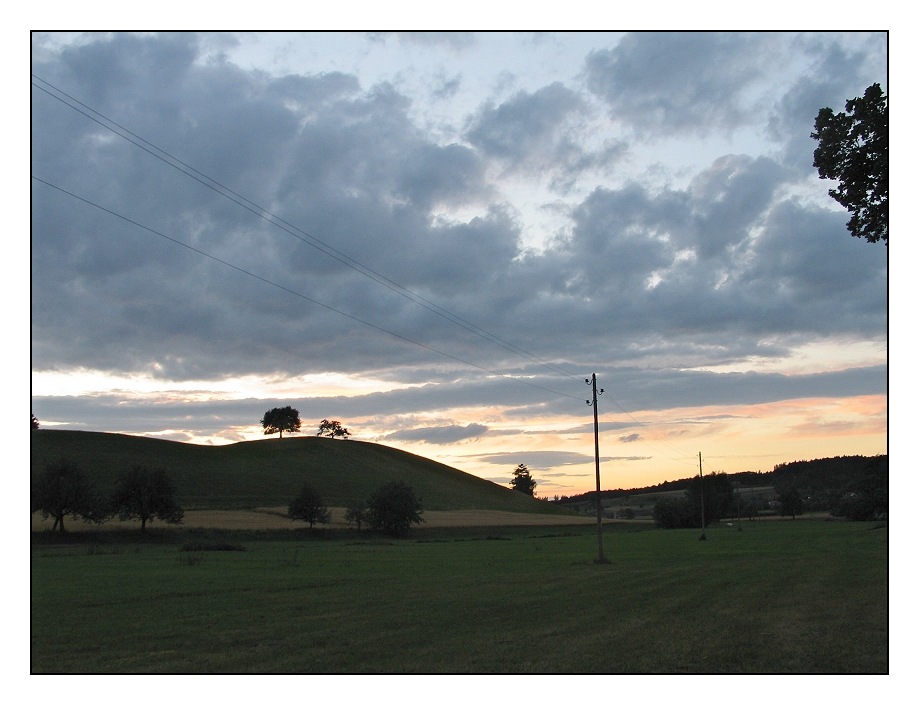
{"points": [[276, 518]]}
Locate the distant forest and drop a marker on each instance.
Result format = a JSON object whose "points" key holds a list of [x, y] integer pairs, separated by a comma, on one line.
{"points": [[822, 484]]}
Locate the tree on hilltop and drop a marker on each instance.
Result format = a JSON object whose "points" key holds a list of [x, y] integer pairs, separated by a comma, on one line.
{"points": [[332, 429], [278, 420], [852, 148]]}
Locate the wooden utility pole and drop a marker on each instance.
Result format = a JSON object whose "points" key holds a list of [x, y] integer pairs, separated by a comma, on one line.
{"points": [[702, 496], [593, 383]]}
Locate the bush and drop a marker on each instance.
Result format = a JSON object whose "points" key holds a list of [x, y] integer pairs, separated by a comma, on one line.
{"points": [[393, 509]]}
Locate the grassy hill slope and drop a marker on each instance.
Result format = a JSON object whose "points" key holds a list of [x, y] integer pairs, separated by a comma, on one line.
{"points": [[271, 472]]}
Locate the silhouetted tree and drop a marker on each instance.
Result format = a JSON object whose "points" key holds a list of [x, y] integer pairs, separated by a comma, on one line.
{"points": [[718, 497], [309, 507], [278, 420], [332, 429], [523, 481], [674, 513], [866, 497], [790, 503], [853, 150], [146, 494], [61, 490], [393, 508]]}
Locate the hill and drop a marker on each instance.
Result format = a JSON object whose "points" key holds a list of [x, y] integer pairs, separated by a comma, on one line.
{"points": [[271, 472]]}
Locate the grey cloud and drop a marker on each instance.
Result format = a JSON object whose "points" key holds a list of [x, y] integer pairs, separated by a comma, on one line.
{"points": [[631, 438], [453, 174], [626, 389], [648, 278], [679, 82], [533, 131], [537, 458], [836, 73], [440, 435], [730, 197]]}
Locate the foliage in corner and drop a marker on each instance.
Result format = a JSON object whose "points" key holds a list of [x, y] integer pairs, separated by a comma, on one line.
{"points": [[853, 150]]}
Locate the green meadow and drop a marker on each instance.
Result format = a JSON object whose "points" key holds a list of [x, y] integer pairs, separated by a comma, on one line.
{"points": [[777, 596]]}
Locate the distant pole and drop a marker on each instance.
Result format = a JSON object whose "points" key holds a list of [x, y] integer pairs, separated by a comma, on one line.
{"points": [[702, 496], [593, 383]]}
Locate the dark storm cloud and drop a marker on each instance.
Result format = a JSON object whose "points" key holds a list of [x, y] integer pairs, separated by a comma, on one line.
{"points": [[648, 278]]}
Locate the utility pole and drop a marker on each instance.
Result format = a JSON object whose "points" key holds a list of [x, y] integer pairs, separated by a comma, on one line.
{"points": [[702, 496], [593, 383]]}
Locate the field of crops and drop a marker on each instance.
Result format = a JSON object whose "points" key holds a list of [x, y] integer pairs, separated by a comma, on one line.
{"points": [[775, 597]]}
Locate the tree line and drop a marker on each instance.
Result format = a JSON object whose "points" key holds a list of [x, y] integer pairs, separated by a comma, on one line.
{"points": [[143, 493], [63, 490], [392, 509], [848, 487]]}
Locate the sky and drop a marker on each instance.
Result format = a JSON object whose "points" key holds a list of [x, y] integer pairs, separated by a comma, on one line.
{"points": [[436, 237]]}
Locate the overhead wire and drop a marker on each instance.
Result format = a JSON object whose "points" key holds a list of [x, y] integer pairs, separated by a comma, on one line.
{"points": [[291, 229], [306, 238], [301, 295]]}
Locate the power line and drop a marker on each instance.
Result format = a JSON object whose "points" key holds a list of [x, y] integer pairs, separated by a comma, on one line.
{"points": [[308, 239], [289, 228], [295, 293]]}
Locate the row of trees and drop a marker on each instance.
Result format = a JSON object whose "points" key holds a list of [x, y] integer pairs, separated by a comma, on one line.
{"points": [[857, 490], [392, 509], [287, 418], [142, 493]]}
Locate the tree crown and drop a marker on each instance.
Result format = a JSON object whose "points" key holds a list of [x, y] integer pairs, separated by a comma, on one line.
{"points": [[282, 419], [852, 148]]}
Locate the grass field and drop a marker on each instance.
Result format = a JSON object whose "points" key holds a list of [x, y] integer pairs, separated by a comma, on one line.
{"points": [[777, 597]]}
